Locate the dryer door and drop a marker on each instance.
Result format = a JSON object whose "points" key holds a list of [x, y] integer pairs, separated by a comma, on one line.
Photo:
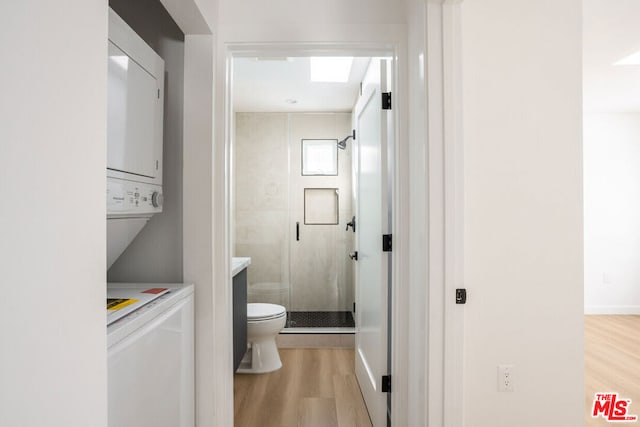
{"points": [[132, 121]]}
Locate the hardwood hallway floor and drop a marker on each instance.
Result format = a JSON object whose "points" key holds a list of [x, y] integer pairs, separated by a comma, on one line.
{"points": [[314, 388], [612, 361]]}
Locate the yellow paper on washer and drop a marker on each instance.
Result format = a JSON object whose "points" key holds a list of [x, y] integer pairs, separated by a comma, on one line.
{"points": [[114, 304]]}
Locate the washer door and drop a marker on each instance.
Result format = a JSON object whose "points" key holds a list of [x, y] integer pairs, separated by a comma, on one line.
{"points": [[151, 372]]}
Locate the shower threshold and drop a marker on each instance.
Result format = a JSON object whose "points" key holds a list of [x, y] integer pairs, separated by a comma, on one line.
{"points": [[318, 322], [318, 330]]}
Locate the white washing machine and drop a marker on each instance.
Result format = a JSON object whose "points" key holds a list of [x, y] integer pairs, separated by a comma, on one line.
{"points": [[151, 360]]}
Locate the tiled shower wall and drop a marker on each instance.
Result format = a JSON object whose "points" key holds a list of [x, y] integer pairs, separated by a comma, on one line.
{"points": [[315, 272]]}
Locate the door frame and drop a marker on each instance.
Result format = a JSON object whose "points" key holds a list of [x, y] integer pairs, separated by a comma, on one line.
{"points": [[427, 366], [400, 207]]}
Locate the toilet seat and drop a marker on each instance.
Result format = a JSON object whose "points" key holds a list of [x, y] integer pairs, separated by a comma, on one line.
{"points": [[261, 311]]}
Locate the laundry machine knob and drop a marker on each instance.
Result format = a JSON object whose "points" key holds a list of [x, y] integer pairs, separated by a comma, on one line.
{"points": [[157, 199]]}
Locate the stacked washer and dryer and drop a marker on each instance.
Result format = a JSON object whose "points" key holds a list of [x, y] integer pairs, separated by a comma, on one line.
{"points": [[150, 327]]}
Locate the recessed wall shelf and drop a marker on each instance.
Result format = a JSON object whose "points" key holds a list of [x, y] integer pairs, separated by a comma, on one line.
{"points": [[321, 206]]}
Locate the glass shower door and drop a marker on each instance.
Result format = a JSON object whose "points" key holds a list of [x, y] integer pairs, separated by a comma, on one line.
{"points": [[261, 205], [321, 204], [290, 217]]}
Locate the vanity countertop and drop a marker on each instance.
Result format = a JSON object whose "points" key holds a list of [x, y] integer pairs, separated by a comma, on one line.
{"points": [[238, 264]]}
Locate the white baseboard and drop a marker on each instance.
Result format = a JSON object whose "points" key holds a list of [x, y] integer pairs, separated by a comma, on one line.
{"points": [[612, 309]]}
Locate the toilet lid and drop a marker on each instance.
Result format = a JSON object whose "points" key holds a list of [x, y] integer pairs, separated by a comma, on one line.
{"points": [[263, 311]]}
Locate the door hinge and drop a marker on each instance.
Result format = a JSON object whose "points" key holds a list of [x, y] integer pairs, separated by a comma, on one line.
{"points": [[461, 296], [386, 100], [354, 134], [386, 243], [354, 307], [386, 383], [158, 93]]}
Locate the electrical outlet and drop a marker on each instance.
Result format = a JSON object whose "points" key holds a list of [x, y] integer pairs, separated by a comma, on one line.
{"points": [[506, 378]]}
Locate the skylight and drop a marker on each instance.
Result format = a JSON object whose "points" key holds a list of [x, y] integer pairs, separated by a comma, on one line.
{"points": [[633, 59], [330, 69]]}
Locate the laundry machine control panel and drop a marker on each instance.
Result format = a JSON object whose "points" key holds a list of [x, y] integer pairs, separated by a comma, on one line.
{"points": [[133, 198]]}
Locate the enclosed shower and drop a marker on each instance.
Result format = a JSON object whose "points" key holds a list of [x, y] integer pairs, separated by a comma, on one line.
{"points": [[293, 214]]}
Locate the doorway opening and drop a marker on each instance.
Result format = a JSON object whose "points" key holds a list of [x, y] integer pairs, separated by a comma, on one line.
{"points": [[312, 172], [611, 152]]}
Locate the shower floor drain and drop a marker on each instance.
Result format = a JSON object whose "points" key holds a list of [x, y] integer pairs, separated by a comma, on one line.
{"points": [[319, 319]]}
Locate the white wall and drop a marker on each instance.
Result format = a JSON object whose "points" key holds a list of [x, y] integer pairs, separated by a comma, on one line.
{"points": [[52, 213], [198, 255], [414, 370], [523, 211], [304, 20], [612, 213]]}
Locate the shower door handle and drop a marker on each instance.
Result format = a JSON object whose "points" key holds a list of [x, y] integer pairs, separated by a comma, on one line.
{"points": [[352, 224], [354, 255]]}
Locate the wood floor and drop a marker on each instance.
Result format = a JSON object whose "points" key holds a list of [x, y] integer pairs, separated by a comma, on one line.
{"points": [[317, 387], [612, 361], [314, 388]]}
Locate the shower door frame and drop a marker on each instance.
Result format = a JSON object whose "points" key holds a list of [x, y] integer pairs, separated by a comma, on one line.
{"points": [[305, 253]]}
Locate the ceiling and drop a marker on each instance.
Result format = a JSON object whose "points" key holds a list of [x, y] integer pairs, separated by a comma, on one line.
{"points": [[611, 31], [265, 85]]}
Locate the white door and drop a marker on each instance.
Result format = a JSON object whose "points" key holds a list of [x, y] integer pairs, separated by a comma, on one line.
{"points": [[372, 266]]}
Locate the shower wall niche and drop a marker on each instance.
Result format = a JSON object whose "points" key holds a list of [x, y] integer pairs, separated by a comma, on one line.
{"points": [[298, 245]]}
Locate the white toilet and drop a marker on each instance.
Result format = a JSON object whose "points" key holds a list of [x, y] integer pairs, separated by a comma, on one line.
{"points": [[264, 322]]}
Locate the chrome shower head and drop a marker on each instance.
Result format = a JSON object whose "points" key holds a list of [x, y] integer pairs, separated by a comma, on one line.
{"points": [[343, 143]]}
